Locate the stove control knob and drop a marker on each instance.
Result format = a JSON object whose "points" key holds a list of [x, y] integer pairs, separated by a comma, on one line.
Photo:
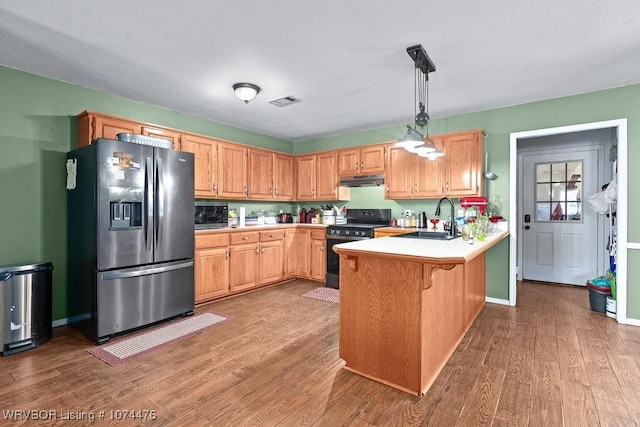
{"points": [[347, 232]]}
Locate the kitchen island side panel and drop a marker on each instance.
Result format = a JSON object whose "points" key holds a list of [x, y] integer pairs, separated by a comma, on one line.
{"points": [[380, 319]]}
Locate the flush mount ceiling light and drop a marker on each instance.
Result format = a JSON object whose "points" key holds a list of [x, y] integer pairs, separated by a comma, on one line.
{"points": [[414, 141], [246, 91]]}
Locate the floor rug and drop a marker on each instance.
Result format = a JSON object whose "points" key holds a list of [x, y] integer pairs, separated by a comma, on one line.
{"points": [[126, 349], [324, 294]]}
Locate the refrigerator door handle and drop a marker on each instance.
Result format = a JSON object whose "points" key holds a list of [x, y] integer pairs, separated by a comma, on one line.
{"points": [[144, 271], [149, 200], [160, 197]]}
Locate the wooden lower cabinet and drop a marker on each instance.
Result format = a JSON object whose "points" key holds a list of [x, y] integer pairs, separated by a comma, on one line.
{"points": [[290, 253], [211, 267], [271, 263], [318, 256], [236, 261]]}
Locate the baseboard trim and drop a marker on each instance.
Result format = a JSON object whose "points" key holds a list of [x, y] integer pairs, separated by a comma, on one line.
{"points": [[72, 319], [632, 322], [497, 301]]}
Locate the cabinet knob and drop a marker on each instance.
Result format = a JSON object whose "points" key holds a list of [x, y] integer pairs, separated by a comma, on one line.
{"points": [[362, 165], [262, 250], [313, 192], [245, 238], [271, 191], [245, 189], [257, 251], [272, 235], [226, 255], [356, 165], [322, 248], [275, 191]]}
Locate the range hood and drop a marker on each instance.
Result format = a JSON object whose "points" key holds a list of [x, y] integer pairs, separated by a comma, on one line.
{"points": [[362, 180]]}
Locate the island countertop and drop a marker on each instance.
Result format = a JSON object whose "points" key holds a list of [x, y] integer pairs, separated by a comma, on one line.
{"points": [[455, 251]]}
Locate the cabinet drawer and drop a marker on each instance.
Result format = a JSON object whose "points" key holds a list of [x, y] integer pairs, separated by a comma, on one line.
{"points": [[212, 240], [268, 236], [246, 237], [319, 234]]}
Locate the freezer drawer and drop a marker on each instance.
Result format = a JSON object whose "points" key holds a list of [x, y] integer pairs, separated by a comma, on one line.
{"points": [[134, 297]]}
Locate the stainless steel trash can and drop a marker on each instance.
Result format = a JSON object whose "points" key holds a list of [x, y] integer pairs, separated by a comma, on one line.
{"points": [[25, 306]]}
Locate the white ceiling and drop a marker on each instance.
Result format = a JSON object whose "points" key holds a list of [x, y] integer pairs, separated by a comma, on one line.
{"points": [[346, 60]]}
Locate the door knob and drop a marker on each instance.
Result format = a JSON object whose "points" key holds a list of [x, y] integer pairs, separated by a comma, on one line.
{"points": [[527, 227]]}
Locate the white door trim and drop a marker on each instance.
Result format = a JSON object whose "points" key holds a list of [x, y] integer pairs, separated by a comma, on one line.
{"points": [[621, 268]]}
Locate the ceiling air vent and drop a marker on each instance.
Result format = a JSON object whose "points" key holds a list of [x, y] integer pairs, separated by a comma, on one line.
{"points": [[284, 101]]}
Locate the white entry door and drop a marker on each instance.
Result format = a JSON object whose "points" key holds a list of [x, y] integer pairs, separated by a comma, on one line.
{"points": [[559, 230]]}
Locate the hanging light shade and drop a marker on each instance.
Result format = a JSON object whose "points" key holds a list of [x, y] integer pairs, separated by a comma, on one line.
{"points": [[246, 91], [429, 150], [411, 139]]}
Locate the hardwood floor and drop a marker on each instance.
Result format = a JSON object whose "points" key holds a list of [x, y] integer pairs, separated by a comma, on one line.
{"points": [[550, 361]]}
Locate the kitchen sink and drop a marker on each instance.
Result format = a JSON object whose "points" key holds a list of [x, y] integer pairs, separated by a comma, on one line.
{"points": [[435, 235]]}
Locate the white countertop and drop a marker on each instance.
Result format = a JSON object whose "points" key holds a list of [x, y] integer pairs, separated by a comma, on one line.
{"points": [[455, 250]]}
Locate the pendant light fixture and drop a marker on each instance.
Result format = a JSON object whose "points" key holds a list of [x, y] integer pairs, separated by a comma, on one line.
{"points": [[246, 91], [414, 141]]}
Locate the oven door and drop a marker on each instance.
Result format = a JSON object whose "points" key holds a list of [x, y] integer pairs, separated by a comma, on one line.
{"points": [[333, 259]]}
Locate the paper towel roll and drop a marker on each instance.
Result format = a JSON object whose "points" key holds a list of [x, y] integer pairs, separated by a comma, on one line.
{"points": [[242, 216]]}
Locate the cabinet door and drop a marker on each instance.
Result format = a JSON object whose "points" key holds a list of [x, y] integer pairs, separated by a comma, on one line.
{"points": [[243, 266], [399, 180], [306, 177], [304, 252], [372, 159], [429, 174], [232, 171], [348, 162], [110, 127], [327, 176], [271, 261], [212, 273], [260, 180], [463, 153], [318, 260], [171, 135], [290, 253], [204, 150], [283, 177]]}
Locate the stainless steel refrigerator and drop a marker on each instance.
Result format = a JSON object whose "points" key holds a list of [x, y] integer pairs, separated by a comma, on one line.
{"points": [[130, 236]]}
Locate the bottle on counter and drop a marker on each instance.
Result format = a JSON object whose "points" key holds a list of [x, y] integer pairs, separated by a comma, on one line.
{"points": [[414, 220]]}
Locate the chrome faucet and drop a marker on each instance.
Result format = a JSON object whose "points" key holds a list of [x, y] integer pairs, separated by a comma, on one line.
{"points": [[452, 221]]}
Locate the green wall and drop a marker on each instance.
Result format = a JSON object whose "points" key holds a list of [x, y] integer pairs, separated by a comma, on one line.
{"points": [[38, 126], [499, 123]]}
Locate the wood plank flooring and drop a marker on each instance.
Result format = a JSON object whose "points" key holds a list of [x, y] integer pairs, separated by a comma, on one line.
{"points": [[550, 361]]}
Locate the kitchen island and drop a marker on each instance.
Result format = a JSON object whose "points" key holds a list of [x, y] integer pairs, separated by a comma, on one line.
{"points": [[406, 303]]}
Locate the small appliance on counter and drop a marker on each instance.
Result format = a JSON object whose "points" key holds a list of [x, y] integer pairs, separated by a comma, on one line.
{"points": [[474, 201], [285, 218], [210, 214]]}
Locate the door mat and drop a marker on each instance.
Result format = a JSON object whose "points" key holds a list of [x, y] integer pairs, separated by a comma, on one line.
{"points": [[324, 294], [119, 352]]}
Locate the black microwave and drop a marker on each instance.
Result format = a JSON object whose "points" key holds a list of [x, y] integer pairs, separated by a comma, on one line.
{"points": [[211, 214]]}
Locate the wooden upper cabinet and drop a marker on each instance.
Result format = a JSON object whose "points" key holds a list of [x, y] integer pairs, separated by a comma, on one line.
{"points": [[456, 174], [204, 150], [327, 176], [260, 180], [428, 175], [232, 171], [463, 152], [271, 175], [398, 179], [93, 125], [157, 132], [361, 161], [306, 177], [283, 176]]}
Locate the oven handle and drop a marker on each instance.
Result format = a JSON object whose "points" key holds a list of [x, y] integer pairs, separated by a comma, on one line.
{"points": [[346, 238]]}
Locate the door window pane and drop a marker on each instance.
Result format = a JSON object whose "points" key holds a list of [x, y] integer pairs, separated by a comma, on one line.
{"points": [[558, 191]]}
